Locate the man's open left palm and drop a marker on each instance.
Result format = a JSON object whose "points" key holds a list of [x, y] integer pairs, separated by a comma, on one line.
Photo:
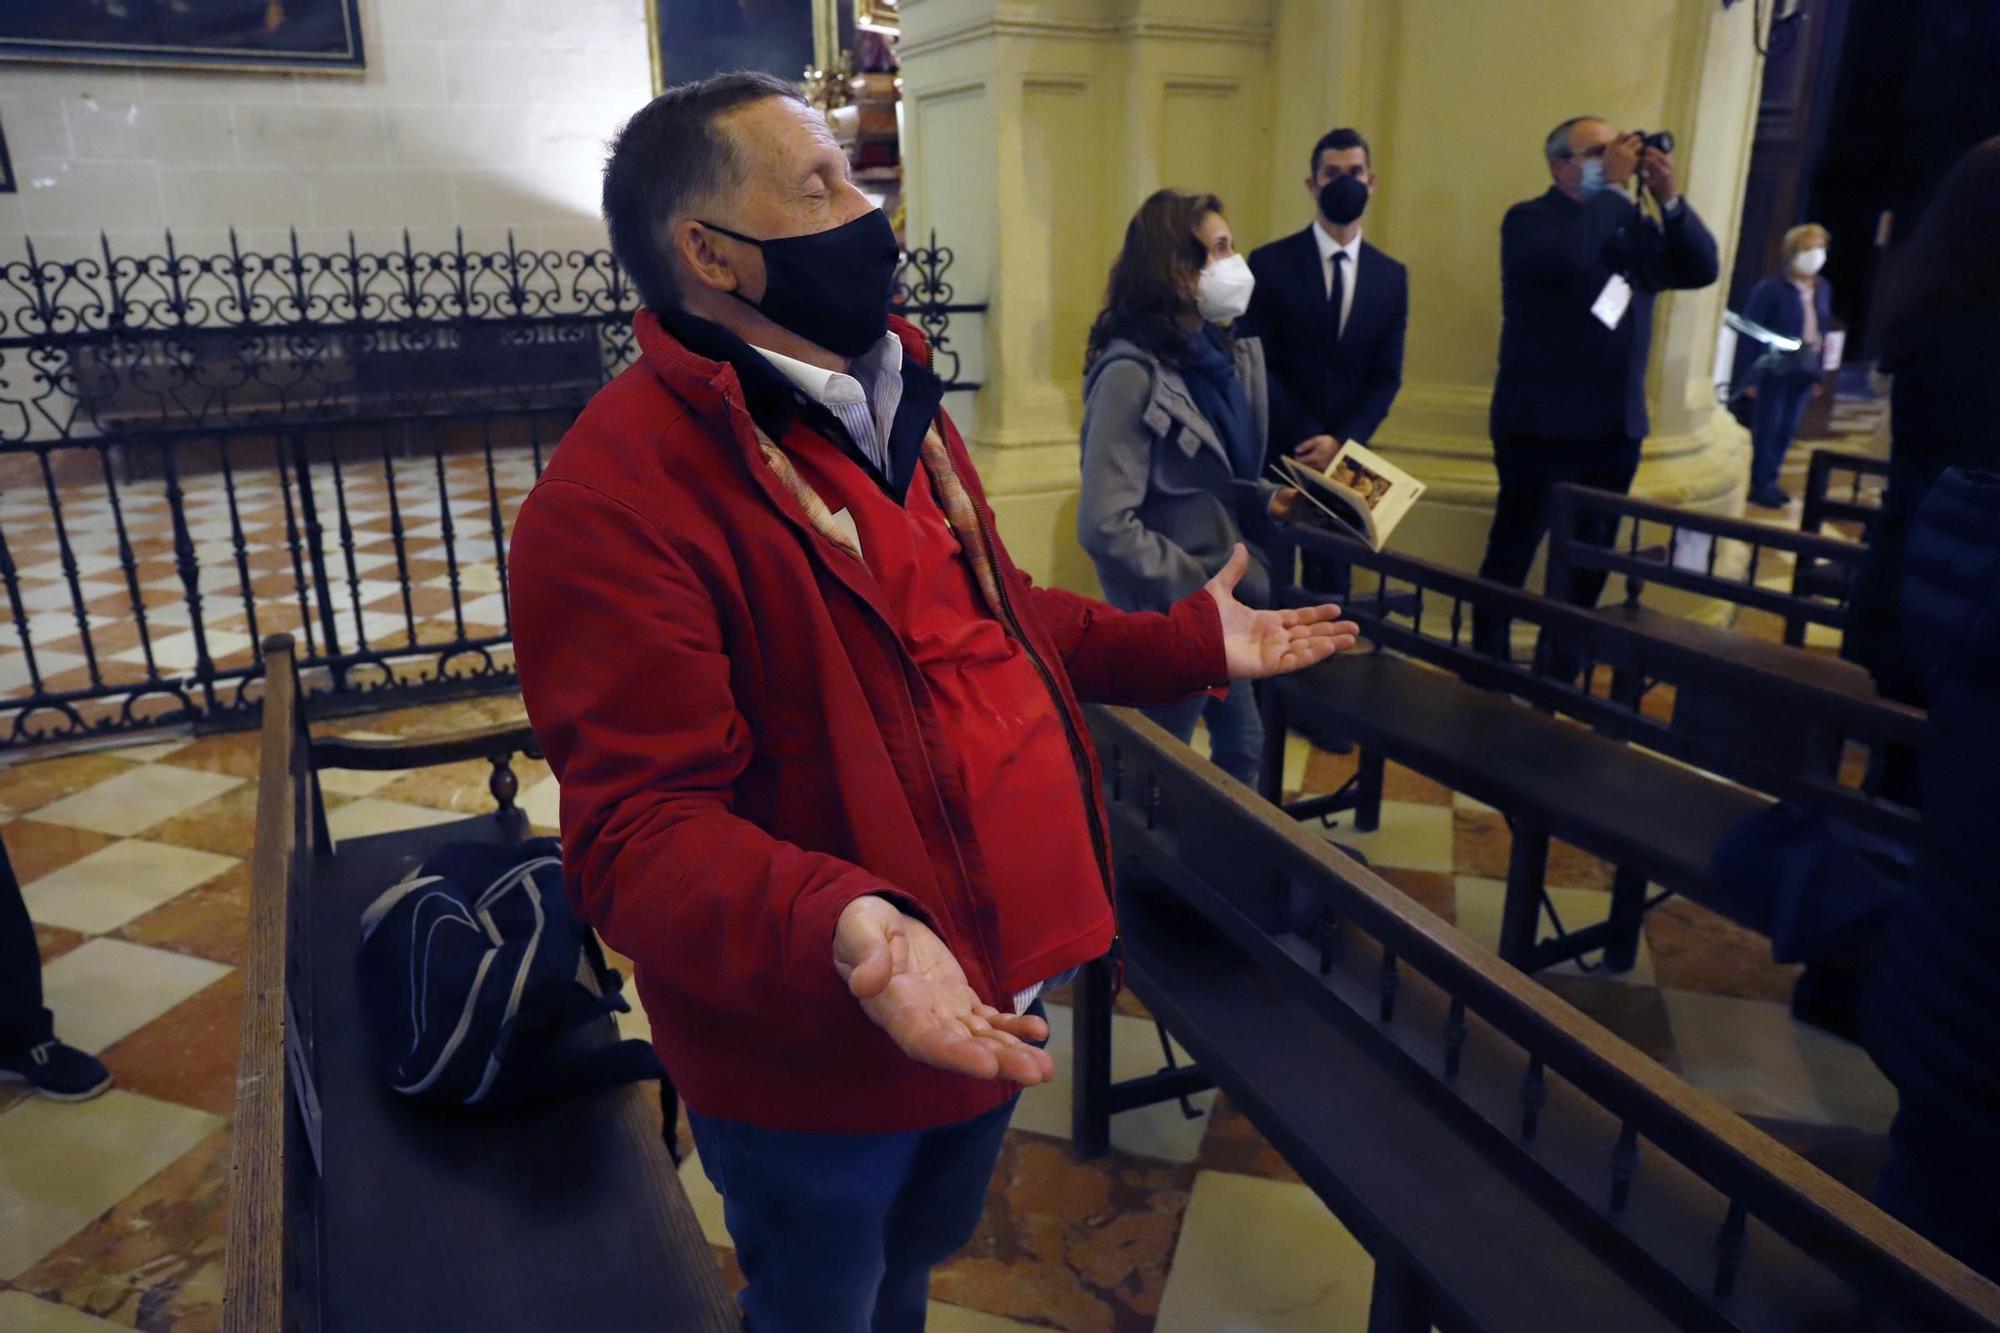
{"points": [[909, 983], [1257, 644]]}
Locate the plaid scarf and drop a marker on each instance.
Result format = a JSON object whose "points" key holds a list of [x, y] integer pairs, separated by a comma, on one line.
{"points": [[959, 511]]}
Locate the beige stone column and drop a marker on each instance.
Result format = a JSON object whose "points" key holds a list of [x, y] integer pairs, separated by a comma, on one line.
{"points": [[1034, 129]]}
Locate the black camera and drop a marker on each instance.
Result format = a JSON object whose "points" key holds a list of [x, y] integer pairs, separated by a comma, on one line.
{"points": [[1660, 139]]}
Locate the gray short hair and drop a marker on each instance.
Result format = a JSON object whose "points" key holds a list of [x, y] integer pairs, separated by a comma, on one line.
{"points": [[1556, 147], [671, 157]]}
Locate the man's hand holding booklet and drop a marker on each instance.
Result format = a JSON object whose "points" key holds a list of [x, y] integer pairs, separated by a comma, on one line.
{"points": [[1359, 490]]}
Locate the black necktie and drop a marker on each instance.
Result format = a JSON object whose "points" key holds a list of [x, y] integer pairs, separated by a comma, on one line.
{"points": [[1337, 294]]}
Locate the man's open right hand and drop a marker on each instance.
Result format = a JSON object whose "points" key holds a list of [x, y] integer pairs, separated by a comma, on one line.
{"points": [[908, 982]]}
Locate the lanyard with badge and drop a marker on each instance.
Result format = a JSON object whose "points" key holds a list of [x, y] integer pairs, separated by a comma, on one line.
{"points": [[1611, 303]]}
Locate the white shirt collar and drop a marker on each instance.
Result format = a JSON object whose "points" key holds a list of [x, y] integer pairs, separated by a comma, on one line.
{"points": [[1327, 245], [830, 388], [864, 402]]}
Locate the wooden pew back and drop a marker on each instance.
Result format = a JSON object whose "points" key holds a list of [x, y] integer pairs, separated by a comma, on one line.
{"points": [[1423, 611], [1680, 548], [1842, 488], [1846, 489], [271, 1258], [1670, 1211]]}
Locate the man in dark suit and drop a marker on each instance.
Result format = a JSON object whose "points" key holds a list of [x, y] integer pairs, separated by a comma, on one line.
{"points": [[1578, 270], [1331, 308]]}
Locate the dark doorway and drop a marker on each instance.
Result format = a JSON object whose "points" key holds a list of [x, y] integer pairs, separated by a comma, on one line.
{"points": [[1800, 71], [1866, 104]]}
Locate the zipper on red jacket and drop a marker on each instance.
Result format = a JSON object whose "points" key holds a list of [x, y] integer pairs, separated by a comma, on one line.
{"points": [[978, 931], [816, 542], [1099, 843], [1078, 757]]}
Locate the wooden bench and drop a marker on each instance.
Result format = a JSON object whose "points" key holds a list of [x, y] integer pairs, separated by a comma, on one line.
{"points": [[354, 1208], [1717, 713], [1843, 488], [1837, 492], [1510, 1166], [1558, 761], [1679, 548]]}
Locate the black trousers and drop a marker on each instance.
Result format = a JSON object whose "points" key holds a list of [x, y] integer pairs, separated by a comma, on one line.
{"points": [[23, 1020], [1529, 468]]}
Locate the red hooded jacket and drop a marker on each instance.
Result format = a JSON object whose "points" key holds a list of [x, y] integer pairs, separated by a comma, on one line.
{"points": [[744, 747]]}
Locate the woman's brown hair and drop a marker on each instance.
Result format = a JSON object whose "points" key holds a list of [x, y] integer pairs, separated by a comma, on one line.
{"points": [[1152, 276]]}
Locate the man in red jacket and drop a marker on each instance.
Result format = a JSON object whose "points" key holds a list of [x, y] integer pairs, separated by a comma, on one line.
{"points": [[824, 774]]}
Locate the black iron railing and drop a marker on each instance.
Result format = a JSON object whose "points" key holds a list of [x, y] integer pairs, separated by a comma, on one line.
{"points": [[198, 450], [929, 300]]}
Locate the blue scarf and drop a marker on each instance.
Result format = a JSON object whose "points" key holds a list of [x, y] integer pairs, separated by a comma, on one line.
{"points": [[1218, 395]]}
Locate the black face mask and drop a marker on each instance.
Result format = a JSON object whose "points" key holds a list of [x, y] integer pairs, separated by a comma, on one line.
{"points": [[829, 287], [1342, 199]]}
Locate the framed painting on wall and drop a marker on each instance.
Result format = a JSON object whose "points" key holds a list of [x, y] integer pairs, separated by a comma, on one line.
{"points": [[878, 16], [235, 34], [692, 39]]}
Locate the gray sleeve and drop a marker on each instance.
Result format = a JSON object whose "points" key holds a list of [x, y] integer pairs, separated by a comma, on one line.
{"points": [[1117, 461]]}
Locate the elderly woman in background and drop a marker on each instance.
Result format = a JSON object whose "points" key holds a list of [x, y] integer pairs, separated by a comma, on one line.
{"points": [[1772, 388]]}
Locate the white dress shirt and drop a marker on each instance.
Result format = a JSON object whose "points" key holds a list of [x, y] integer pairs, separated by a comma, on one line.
{"points": [[864, 401], [1328, 248]]}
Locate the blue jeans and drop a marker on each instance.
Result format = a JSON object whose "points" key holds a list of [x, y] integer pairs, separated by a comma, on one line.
{"points": [[1235, 730], [838, 1233], [1781, 401]]}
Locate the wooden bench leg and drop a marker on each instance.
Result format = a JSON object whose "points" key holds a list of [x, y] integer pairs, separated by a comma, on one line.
{"points": [[1399, 1301], [1271, 764], [1527, 868], [1626, 689], [670, 1119], [322, 832], [1368, 806], [1090, 1056], [1628, 919]]}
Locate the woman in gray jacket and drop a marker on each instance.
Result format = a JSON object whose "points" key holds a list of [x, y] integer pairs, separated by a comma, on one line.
{"points": [[1176, 417]]}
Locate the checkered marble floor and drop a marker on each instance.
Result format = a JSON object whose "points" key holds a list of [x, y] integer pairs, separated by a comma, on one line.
{"points": [[135, 863], [364, 585]]}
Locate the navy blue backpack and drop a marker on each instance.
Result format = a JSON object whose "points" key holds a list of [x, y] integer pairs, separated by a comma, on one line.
{"points": [[468, 974]]}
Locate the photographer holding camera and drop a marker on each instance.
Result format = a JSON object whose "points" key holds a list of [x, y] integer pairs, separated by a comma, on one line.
{"points": [[1578, 269]]}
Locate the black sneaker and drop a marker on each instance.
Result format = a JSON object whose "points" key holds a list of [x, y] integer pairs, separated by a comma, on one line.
{"points": [[1770, 497], [58, 1071]]}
